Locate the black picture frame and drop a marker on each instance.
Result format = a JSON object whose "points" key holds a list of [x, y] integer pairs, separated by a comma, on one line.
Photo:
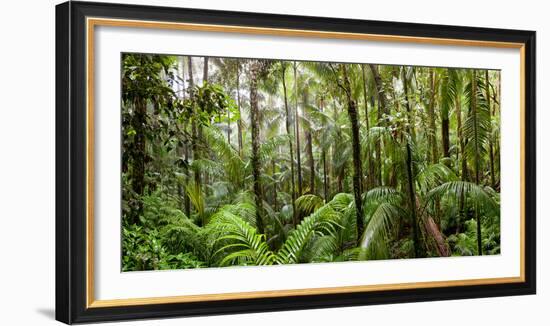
{"points": [[71, 158]]}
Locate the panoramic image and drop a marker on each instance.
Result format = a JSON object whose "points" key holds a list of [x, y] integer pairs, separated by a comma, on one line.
{"points": [[250, 162]]}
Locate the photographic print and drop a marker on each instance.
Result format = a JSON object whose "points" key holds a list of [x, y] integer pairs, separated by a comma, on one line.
{"points": [[239, 161], [213, 162]]}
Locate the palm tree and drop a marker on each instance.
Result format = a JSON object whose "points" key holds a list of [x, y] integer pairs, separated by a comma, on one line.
{"points": [[477, 131], [354, 122], [380, 179], [283, 67]]}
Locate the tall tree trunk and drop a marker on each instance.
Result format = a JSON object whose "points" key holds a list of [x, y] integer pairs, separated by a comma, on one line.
{"points": [[381, 111], [370, 173], [474, 109], [255, 131], [186, 200], [194, 127], [497, 144], [356, 149], [297, 130], [410, 113], [311, 162], [410, 176], [290, 146], [445, 121], [324, 159], [273, 169], [200, 135], [309, 147], [240, 121], [185, 151], [412, 201], [445, 135], [491, 150], [431, 117], [461, 144]]}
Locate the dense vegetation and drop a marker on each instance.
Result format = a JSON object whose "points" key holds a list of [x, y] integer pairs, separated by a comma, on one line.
{"points": [[259, 162]]}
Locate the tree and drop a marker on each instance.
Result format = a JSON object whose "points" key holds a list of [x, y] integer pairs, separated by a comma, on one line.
{"points": [[399, 162], [138, 89], [309, 142], [297, 129], [357, 170], [370, 166], [381, 111], [257, 69], [283, 67], [431, 116]]}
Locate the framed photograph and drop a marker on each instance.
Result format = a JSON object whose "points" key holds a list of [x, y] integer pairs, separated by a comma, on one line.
{"points": [[214, 162]]}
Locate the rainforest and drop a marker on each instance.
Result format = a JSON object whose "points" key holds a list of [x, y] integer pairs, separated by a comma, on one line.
{"points": [[232, 162]]}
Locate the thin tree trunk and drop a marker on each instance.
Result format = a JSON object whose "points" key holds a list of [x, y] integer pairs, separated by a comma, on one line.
{"points": [[491, 155], [255, 133], [431, 117], [370, 173], [445, 136], [445, 131], [324, 158], [356, 149], [275, 203], [412, 202], [325, 181], [228, 126], [309, 151], [185, 149], [410, 113], [476, 158], [458, 111], [195, 133], [410, 176], [200, 136], [240, 121], [297, 130], [381, 110], [309, 148], [290, 146], [186, 201]]}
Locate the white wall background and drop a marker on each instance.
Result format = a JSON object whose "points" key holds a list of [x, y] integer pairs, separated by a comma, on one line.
{"points": [[27, 161]]}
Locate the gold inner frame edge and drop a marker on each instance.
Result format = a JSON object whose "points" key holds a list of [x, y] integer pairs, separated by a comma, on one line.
{"points": [[91, 22]]}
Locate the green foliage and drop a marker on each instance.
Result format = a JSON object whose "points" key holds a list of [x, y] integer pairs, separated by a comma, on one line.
{"points": [[237, 242], [464, 244], [201, 189], [301, 244]]}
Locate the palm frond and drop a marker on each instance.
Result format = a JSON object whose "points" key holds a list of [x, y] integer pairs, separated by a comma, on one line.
{"points": [[322, 222], [377, 230], [307, 204]]}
